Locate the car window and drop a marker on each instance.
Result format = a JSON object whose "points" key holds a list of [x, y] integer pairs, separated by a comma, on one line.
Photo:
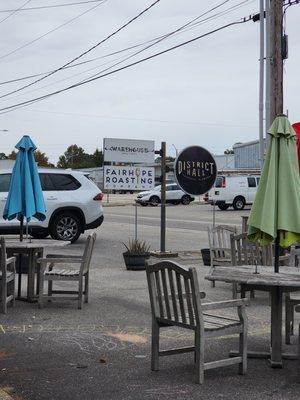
{"points": [[169, 188], [251, 182], [4, 182], [219, 181], [176, 187], [46, 182], [64, 182]]}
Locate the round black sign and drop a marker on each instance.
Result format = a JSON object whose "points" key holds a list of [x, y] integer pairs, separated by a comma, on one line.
{"points": [[195, 170]]}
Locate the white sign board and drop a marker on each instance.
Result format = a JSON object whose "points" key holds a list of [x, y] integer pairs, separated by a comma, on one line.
{"points": [[129, 150], [129, 178]]}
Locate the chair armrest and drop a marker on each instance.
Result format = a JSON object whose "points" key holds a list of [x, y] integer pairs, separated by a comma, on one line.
{"points": [[11, 261], [63, 256], [224, 304], [202, 295], [297, 308], [220, 248], [53, 260]]}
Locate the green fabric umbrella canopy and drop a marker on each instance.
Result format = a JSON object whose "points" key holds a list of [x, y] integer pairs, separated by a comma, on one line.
{"points": [[276, 209]]}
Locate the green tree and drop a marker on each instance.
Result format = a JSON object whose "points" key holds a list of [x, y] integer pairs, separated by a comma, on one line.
{"points": [[76, 157], [97, 158], [12, 155], [41, 159]]}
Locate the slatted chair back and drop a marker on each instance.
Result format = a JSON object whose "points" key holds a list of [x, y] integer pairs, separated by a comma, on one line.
{"points": [[87, 254], [219, 236], [244, 252], [3, 267], [174, 295], [218, 239]]}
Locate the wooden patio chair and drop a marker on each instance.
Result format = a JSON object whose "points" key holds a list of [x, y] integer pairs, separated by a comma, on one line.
{"points": [[291, 302], [176, 301], [7, 278], [50, 272], [245, 252], [219, 245]]}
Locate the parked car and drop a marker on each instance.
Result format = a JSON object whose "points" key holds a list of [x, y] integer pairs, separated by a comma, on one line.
{"points": [[73, 205], [174, 194], [233, 190]]}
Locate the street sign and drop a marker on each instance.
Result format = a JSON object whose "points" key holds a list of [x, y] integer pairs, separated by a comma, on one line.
{"points": [[195, 170], [128, 178], [128, 150]]}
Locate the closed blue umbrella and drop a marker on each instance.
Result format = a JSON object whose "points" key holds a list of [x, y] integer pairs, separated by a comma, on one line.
{"points": [[25, 197]]}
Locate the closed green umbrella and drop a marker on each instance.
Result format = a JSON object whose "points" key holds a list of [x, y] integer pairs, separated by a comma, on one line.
{"points": [[275, 214]]}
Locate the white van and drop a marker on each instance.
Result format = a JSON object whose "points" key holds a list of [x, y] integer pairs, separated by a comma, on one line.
{"points": [[233, 190]]}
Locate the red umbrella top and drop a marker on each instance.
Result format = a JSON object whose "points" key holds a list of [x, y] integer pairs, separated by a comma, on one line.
{"points": [[296, 127]]}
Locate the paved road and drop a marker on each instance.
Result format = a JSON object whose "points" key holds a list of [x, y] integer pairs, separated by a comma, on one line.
{"points": [[186, 225], [102, 351]]}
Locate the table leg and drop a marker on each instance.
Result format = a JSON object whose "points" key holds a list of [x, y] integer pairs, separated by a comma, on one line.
{"points": [[31, 275], [276, 327]]}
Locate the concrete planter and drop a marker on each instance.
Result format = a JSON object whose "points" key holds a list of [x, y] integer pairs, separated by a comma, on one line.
{"points": [[135, 262]]}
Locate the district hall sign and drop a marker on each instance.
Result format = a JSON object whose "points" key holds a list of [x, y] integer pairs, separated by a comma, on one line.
{"points": [[195, 170]]}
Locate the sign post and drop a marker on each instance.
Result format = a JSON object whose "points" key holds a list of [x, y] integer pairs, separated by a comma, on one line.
{"points": [[163, 199]]}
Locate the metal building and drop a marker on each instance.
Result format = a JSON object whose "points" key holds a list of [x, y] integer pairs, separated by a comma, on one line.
{"points": [[246, 155]]}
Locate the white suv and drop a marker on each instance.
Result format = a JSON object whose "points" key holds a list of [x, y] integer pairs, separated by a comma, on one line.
{"points": [[73, 205], [174, 194]]}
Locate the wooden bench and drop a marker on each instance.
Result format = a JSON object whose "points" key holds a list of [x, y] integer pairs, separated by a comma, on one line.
{"points": [[176, 301]]}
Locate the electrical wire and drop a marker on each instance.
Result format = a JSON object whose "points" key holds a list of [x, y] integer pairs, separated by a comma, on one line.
{"points": [[87, 51], [153, 42], [193, 23], [106, 55], [14, 11], [31, 101], [50, 6], [51, 31]]}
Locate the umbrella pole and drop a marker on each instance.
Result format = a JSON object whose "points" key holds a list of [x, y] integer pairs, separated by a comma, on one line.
{"points": [[21, 229], [277, 250]]}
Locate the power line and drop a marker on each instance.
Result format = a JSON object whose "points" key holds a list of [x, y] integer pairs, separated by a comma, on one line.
{"points": [[51, 31], [28, 102], [153, 41], [87, 51], [118, 51], [192, 23], [49, 6], [14, 11]]}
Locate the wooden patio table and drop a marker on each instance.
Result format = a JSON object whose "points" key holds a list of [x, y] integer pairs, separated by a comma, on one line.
{"points": [[288, 280], [33, 248]]}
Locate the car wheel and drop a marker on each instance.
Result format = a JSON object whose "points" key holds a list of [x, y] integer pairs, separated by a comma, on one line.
{"points": [[239, 203], [39, 235], [154, 200], [223, 207], [185, 200], [66, 226]]}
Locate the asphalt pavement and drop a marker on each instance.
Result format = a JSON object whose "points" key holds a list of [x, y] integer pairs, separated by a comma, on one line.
{"points": [[102, 352]]}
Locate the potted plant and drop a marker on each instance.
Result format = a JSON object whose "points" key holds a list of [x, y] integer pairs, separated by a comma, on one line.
{"points": [[137, 251]]}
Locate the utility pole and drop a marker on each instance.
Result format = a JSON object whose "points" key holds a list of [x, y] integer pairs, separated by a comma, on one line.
{"points": [[276, 59], [267, 97], [261, 82]]}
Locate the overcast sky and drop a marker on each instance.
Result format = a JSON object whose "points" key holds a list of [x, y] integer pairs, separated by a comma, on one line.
{"points": [[205, 93]]}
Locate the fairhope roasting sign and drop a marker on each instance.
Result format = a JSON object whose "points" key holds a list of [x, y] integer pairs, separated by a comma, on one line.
{"points": [[195, 170], [129, 178], [128, 150]]}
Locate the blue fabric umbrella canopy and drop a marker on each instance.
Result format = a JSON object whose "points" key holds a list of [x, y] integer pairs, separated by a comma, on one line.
{"points": [[25, 197]]}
